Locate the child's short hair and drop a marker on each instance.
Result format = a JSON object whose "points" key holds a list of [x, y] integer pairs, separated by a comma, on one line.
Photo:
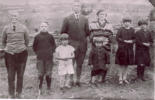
{"points": [[64, 36], [126, 19], [101, 10], [142, 22]]}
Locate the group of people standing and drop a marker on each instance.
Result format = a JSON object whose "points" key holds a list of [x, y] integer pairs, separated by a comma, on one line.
{"points": [[71, 52]]}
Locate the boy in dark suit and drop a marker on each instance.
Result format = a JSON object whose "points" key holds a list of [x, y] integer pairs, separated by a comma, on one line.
{"points": [[44, 47]]}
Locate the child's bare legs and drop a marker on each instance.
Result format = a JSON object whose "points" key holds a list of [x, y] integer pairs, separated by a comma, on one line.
{"points": [[68, 80], [120, 73], [125, 73], [99, 78], [93, 79], [62, 81]]}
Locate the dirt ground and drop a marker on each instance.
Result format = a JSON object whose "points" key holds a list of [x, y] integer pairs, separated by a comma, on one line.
{"points": [[136, 90]]}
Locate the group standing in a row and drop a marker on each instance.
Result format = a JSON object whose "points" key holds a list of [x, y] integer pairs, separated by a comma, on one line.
{"points": [[72, 50]]}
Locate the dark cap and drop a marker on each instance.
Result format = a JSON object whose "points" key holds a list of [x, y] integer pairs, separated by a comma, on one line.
{"points": [[142, 22]]}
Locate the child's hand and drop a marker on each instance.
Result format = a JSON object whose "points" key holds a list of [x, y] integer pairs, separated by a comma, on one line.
{"points": [[107, 66], [128, 41], [91, 66], [146, 44], [65, 59]]}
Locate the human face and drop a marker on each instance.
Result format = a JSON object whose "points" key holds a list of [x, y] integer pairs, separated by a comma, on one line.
{"points": [[44, 27], [144, 27], [14, 18], [64, 42], [102, 16], [127, 24], [76, 8], [98, 44]]}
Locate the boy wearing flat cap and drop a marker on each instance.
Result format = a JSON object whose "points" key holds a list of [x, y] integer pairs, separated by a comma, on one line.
{"points": [[144, 41], [65, 55], [98, 59]]}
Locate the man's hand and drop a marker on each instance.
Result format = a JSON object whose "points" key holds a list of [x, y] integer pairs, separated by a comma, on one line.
{"points": [[146, 44]]}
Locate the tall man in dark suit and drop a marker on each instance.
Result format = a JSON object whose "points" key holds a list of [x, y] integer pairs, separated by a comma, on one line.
{"points": [[76, 26]]}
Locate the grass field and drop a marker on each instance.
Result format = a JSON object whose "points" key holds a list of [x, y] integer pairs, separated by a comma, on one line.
{"points": [[136, 90]]}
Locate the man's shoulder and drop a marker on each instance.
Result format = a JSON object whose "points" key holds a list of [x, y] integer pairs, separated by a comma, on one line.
{"points": [[68, 16], [22, 25]]}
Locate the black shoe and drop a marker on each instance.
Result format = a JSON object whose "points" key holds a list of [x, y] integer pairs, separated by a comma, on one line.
{"points": [[94, 85], [11, 97], [78, 84], [19, 96], [143, 79], [62, 90], [72, 84]]}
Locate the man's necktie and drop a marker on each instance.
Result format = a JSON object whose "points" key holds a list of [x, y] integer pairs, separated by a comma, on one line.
{"points": [[77, 18], [14, 28]]}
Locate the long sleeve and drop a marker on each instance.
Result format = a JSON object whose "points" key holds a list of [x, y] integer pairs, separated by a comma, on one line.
{"points": [[53, 44], [87, 28], [137, 38], [133, 36], [26, 36], [118, 36], [151, 39], [35, 43], [64, 28], [107, 56], [4, 38], [90, 61]]}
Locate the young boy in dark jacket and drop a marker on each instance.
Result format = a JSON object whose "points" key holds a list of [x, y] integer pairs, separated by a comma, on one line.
{"points": [[44, 47], [98, 59]]}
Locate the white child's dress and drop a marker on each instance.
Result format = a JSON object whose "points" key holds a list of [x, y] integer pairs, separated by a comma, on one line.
{"points": [[65, 67]]}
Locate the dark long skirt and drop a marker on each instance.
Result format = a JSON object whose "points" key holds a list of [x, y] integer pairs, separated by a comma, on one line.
{"points": [[142, 56], [125, 56]]}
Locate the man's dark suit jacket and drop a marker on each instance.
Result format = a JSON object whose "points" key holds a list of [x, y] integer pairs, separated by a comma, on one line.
{"points": [[77, 30]]}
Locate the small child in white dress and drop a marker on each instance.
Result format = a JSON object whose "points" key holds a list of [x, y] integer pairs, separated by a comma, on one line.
{"points": [[65, 55]]}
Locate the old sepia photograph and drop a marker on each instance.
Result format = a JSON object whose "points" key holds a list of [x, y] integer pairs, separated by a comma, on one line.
{"points": [[77, 49]]}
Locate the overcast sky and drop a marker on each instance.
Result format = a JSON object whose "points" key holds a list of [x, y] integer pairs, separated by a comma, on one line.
{"points": [[13, 2]]}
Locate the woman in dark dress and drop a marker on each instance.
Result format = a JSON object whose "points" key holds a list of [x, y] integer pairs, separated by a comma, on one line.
{"points": [[143, 42], [125, 53]]}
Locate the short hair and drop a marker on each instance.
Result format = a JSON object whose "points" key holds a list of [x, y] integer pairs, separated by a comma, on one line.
{"points": [[64, 36], [142, 22], [99, 11], [76, 3], [126, 20], [14, 13]]}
